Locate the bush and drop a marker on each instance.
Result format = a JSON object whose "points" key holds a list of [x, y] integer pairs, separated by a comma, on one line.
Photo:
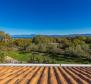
{"points": [[2, 57], [78, 50]]}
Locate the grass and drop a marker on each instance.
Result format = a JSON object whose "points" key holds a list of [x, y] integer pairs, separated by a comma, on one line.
{"points": [[47, 58], [25, 57], [18, 56]]}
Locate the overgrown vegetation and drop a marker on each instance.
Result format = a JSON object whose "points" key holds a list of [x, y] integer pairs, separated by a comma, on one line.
{"points": [[46, 49]]}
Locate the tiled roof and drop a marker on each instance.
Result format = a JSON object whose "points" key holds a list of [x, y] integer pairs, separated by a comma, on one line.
{"points": [[44, 75]]}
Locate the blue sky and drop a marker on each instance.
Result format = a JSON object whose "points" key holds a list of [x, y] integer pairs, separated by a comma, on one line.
{"points": [[45, 16]]}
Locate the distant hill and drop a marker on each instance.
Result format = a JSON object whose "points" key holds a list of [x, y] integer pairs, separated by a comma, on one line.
{"points": [[33, 35], [71, 35]]}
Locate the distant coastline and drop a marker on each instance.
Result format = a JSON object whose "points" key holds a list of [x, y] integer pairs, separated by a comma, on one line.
{"points": [[33, 35], [22, 36]]}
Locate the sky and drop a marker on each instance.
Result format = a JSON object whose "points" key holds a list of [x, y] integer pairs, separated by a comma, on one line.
{"points": [[45, 16]]}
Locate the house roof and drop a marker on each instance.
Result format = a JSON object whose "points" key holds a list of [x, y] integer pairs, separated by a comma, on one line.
{"points": [[44, 75]]}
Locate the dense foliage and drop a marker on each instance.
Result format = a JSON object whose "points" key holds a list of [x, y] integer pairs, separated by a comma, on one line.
{"points": [[50, 47]]}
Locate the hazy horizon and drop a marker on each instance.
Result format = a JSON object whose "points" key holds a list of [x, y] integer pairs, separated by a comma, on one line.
{"points": [[42, 33], [54, 34]]}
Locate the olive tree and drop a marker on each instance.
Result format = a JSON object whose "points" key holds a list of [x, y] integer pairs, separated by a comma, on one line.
{"points": [[2, 56]]}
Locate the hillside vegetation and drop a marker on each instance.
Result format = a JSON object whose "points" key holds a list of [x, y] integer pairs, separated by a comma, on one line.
{"points": [[46, 49]]}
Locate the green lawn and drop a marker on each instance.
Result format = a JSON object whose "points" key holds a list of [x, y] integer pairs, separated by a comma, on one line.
{"points": [[25, 57], [46, 58]]}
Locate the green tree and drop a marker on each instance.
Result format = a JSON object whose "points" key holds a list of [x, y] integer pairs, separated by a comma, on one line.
{"points": [[2, 56]]}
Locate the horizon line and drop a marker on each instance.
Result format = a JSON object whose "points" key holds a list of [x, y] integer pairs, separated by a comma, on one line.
{"points": [[54, 34]]}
